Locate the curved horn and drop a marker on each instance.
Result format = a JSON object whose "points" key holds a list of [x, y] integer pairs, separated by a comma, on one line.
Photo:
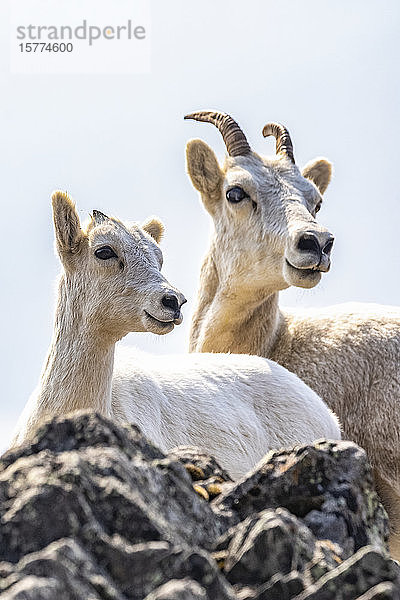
{"points": [[234, 138], [284, 144], [99, 217]]}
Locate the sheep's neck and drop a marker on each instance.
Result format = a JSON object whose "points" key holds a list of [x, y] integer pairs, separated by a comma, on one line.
{"points": [[79, 365], [230, 320]]}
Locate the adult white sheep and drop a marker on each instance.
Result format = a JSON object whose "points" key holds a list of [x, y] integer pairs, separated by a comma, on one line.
{"points": [[265, 239], [236, 407]]}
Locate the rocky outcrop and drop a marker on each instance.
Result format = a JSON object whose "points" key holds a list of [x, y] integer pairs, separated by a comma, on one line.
{"points": [[328, 486], [92, 510]]}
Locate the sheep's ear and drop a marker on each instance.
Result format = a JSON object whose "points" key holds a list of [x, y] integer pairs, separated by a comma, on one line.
{"points": [[205, 172], [154, 227], [319, 171], [67, 228]]}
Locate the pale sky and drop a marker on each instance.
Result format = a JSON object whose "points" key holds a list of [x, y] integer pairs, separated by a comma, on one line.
{"points": [[327, 70]]}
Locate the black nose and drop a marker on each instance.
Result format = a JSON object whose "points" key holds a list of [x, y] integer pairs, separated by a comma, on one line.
{"points": [[328, 246], [309, 242], [171, 301]]}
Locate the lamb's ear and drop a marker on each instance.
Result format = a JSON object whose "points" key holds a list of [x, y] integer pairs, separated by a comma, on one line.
{"points": [[319, 171], [154, 227], [67, 228], [204, 171]]}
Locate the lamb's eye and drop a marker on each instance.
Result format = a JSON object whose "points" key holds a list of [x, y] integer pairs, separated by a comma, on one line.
{"points": [[317, 208], [236, 194], [105, 253]]}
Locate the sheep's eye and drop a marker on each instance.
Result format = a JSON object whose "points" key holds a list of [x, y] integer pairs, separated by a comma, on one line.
{"points": [[105, 253], [317, 208], [236, 194]]}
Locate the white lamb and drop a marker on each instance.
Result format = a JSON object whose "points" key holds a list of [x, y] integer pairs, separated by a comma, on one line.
{"points": [[236, 407]]}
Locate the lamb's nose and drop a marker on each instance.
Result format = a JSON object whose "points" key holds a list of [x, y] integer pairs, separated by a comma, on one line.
{"points": [[171, 301]]}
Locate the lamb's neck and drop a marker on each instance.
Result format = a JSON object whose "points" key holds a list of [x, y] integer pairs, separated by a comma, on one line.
{"points": [[79, 365], [230, 319]]}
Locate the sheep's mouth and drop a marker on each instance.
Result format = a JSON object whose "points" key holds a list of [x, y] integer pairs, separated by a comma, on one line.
{"points": [[306, 272], [303, 278], [159, 321], [158, 325]]}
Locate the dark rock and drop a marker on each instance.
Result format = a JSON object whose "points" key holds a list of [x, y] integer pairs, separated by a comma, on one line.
{"points": [[179, 589], [205, 465], [134, 492], [329, 485], [36, 588], [358, 574], [382, 591], [187, 589], [142, 568], [132, 573], [88, 431], [268, 543], [209, 478], [130, 508], [281, 587], [91, 510], [273, 554], [62, 570]]}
